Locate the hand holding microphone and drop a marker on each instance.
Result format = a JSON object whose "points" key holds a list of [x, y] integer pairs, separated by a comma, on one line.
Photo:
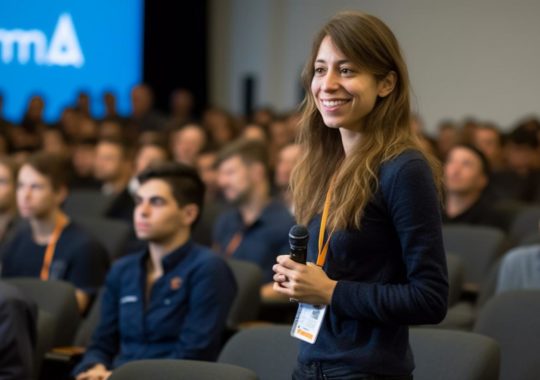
{"points": [[307, 283]]}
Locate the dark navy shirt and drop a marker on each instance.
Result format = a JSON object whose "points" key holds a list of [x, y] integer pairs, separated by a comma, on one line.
{"points": [[262, 241], [78, 257], [184, 317], [391, 273]]}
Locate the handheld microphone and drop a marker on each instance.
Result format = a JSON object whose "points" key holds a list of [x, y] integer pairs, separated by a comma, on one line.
{"points": [[298, 239]]}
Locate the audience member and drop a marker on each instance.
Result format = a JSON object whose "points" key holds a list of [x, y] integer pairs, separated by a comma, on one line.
{"points": [[255, 132], [447, 137], [114, 166], [148, 154], [171, 300], [466, 177], [220, 125], [520, 181], [287, 159], [488, 140], [186, 143], [256, 229], [83, 163], [182, 103], [144, 117], [49, 245]]}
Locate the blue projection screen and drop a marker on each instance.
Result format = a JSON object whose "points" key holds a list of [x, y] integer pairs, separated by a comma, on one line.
{"points": [[58, 48]]}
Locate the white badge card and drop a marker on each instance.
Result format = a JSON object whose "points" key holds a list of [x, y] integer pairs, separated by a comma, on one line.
{"points": [[308, 322]]}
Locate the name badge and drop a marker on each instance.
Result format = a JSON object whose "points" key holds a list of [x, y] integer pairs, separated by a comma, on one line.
{"points": [[308, 322]]}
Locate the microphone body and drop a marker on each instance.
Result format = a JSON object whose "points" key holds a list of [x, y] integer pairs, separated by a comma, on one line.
{"points": [[298, 240]]}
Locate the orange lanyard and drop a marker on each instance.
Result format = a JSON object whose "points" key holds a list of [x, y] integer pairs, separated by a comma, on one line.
{"points": [[61, 222], [323, 246], [234, 243]]}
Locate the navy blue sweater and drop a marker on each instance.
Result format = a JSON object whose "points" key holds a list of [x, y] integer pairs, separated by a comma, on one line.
{"points": [[185, 315], [391, 273]]}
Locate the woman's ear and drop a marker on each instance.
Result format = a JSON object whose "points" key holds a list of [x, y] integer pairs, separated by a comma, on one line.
{"points": [[387, 84]]}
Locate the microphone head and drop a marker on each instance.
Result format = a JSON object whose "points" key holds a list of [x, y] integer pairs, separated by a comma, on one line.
{"points": [[298, 235]]}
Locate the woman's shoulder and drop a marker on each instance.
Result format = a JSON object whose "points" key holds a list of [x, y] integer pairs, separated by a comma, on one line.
{"points": [[408, 158]]}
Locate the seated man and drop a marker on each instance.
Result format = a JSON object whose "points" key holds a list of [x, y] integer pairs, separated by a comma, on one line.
{"points": [[49, 245], [520, 269], [257, 228], [114, 166], [171, 300], [466, 177]]}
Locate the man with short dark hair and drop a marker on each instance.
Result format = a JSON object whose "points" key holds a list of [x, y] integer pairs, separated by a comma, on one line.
{"points": [[466, 177], [114, 167], [49, 245], [171, 299], [257, 228]]}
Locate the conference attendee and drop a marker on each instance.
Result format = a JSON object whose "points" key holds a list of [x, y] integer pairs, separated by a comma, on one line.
{"points": [[488, 139], [519, 269], [376, 261], [171, 299], [143, 117], [181, 108], [466, 179], [18, 318], [50, 245], [83, 163], [220, 125], [256, 228], [113, 166], [8, 204], [186, 143], [214, 203], [448, 135], [287, 158], [152, 153]]}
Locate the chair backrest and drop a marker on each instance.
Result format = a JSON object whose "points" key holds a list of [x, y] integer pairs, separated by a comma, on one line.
{"points": [[113, 234], [247, 302], [46, 327], [168, 369], [269, 351], [512, 319], [89, 323], [456, 275], [56, 298], [448, 355], [477, 246], [83, 203], [525, 223]]}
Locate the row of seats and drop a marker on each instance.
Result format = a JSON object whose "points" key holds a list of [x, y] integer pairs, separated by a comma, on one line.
{"points": [[504, 345]]}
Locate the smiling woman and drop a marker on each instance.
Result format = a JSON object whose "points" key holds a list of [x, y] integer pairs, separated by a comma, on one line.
{"points": [[369, 195]]}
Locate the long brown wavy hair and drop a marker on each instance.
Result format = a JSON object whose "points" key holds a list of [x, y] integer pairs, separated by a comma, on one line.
{"points": [[386, 131]]}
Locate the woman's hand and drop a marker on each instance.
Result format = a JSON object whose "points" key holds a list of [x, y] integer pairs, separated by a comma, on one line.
{"points": [[305, 283], [97, 372]]}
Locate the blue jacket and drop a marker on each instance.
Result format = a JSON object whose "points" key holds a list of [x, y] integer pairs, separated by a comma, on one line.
{"points": [[185, 315], [262, 241], [391, 273]]}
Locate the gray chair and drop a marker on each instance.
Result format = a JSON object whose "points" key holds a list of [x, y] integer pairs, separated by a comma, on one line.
{"points": [[512, 319], [269, 351], [477, 246], [89, 323], [46, 327], [247, 302], [526, 223], [450, 355], [86, 203], [113, 234], [167, 369], [56, 298], [456, 275]]}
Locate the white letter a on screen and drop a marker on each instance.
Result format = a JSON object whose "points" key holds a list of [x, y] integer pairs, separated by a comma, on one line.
{"points": [[64, 49]]}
